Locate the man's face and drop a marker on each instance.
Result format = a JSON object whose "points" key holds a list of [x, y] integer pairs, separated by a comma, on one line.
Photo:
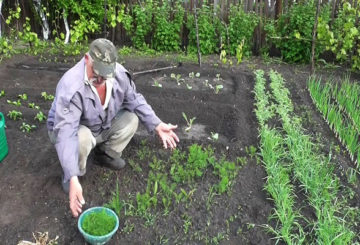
{"points": [[94, 78]]}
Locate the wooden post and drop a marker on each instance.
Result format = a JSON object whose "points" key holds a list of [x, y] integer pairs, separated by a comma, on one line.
{"points": [[197, 35], [314, 38], [105, 19], [1, 3]]}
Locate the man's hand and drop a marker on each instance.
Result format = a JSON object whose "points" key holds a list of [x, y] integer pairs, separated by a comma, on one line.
{"points": [[167, 135], [75, 196]]}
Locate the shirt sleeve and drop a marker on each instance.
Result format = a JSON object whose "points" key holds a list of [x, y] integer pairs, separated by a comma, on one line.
{"points": [[67, 119], [135, 102]]}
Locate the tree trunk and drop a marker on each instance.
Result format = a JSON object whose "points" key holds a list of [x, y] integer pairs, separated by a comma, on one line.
{"points": [[278, 9], [45, 25], [266, 8], [260, 22], [250, 5], [197, 36], [314, 38], [216, 3], [105, 20], [66, 24], [1, 3]]}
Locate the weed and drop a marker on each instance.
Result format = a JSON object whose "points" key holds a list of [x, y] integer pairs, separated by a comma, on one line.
{"points": [[351, 174], [251, 151], [187, 223], [135, 166], [128, 227], [116, 203], [98, 223], [2, 93], [214, 136]]}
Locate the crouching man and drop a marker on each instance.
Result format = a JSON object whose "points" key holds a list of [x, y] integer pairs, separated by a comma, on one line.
{"points": [[96, 106]]}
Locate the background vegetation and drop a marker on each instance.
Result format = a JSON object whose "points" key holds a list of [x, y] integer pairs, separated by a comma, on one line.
{"points": [[230, 27]]}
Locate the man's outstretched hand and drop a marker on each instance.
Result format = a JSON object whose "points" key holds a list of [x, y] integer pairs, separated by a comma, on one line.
{"points": [[167, 135], [75, 196]]}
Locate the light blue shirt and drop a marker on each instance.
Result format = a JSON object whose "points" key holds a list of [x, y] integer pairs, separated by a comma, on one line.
{"points": [[76, 103]]}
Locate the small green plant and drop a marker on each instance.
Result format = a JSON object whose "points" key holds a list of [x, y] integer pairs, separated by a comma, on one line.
{"points": [[187, 223], [33, 106], [40, 116], [98, 223], [47, 96], [239, 52], [2, 93], [156, 84], [189, 122], [177, 77], [26, 127], [214, 136], [191, 75], [15, 103], [251, 151], [218, 76], [14, 115], [188, 86], [218, 88], [23, 96], [351, 176], [116, 204]]}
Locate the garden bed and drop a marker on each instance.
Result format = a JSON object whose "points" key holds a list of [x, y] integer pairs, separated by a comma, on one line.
{"points": [[30, 192]]}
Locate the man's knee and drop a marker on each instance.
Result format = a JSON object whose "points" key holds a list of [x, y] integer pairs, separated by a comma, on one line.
{"points": [[86, 140]]}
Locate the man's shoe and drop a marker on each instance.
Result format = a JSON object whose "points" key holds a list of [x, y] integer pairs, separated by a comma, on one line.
{"points": [[65, 185], [104, 160]]}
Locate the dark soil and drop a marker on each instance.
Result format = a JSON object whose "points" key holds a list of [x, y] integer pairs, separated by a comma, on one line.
{"points": [[31, 197]]}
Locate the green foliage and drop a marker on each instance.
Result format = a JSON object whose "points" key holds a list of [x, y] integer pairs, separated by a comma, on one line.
{"points": [[6, 48], [23, 96], [241, 34], [40, 116], [207, 32], [342, 37], [227, 172], [138, 25], [292, 32], [47, 96], [14, 115], [27, 127], [30, 37], [168, 22], [98, 223], [115, 203], [197, 161], [2, 93]]}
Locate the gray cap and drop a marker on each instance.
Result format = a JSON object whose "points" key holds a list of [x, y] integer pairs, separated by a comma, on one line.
{"points": [[104, 55]]}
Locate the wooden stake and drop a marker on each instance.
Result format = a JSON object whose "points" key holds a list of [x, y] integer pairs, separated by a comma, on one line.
{"points": [[314, 38], [197, 36]]}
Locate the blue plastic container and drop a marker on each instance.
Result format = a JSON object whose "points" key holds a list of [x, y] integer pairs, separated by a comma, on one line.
{"points": [[4, 149], [97, 240]]}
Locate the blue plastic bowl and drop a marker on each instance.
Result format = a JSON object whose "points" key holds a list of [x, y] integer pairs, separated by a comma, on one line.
{"points": [[97, 240]]}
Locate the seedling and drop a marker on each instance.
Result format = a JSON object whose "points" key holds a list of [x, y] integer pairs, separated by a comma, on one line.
{"points": [[98, 223], [14, 115], [214, 136], [188, 86], [197, 74], [40, 116], [192, 74], [32, 105], [177, 77], [218, 76], [47, 96], [26, 127], [189, 122], [2, 93], [218, 88], [23, 96], [251, 151], [156, 84], [15, 103]]}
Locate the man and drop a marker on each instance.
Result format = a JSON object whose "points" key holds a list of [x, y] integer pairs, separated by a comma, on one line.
{"points": [[96, 106]]}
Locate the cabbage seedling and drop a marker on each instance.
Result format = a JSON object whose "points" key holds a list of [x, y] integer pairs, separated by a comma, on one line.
{"points": [[189, 122]]}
